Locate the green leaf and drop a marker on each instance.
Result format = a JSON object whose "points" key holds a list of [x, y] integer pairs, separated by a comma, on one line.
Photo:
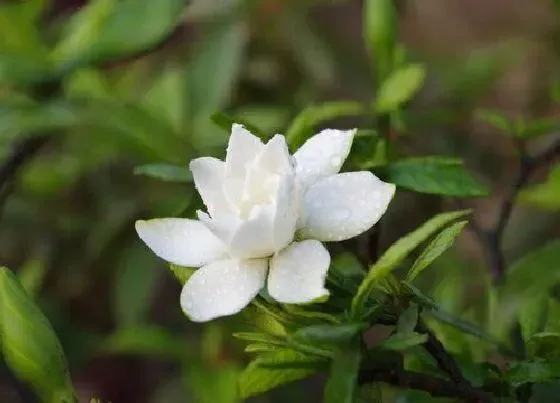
{"points": [[132, 126], [403, 341], [29, 344], [226, 122], [538, 371], [535, 272], [380, 33], [533, 314], [32, 119], [110, 29], [443, 241], [167, 97], [434, 175], [214, 67], [544, 345], [539, 127], [31, 275], [496, 119], [256, 379], [468, 328], [23, 53], [304, 124], [146, 340], [181, 273], [343, 377], [165, 172], [396, 254], [261, 348], [419, 297], [136, 276], [408, 319], [329, 333], [544, 195], [399, 87]]}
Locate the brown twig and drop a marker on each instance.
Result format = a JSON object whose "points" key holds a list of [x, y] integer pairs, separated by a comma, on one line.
{"points": [[436, 387]]}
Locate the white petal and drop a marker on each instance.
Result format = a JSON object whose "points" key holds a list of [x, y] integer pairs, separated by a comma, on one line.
{"points": [[343, 206], [275, 157], [322, 155], [286, 214], [222, 226], [269, 227], [181, 241], [254, 237], [222, 288], [297, 273], [242, 149], [208, 174]]}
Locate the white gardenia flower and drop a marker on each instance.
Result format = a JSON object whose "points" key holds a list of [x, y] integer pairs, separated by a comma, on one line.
{"points": [[259, 200]]}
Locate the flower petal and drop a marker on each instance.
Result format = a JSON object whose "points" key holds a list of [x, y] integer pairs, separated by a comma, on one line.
{"points": [[343, 206], [181, 241], [286, 212], [297, 273], [322, 155], [223, 226], [208, 174], [254, 237], [269, 227], [242, 149], [275, 157], [222, 288]]}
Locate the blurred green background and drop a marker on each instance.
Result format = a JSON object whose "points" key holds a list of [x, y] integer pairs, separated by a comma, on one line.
{"points": [[144, 95]]}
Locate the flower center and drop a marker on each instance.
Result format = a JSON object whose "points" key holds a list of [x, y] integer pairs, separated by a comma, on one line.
{"points": [[260, 189]]}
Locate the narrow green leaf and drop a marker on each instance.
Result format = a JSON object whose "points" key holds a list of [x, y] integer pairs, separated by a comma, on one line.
{"points": [[256, 337], [538, 371], [399, 87], [468, 328], [403, 341], [38, 118], [419, 297], [261, 348], [443, 241], [434, 175], [535, 272], [167, 97], [29, 344], [302, 315], [343, 377], [211, 82], [256, 379], [136, 275], [533, 314], [130, 125], [165, 172], [496, 119], [408, 319], [539, 127], [396, 254], [380, 33], [109, 29], [181, 273], [304, 124], [328, 333]]}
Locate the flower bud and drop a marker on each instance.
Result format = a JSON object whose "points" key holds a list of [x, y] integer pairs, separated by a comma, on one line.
{"points": [[30, 346]]}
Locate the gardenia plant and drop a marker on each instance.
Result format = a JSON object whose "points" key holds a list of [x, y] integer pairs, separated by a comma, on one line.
{"points": [[267, 215]]}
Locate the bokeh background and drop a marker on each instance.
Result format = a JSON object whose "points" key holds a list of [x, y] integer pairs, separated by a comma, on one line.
{"points": [[66, 223]]}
